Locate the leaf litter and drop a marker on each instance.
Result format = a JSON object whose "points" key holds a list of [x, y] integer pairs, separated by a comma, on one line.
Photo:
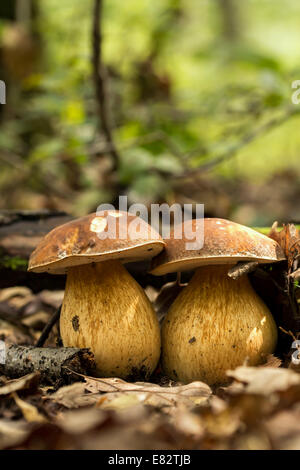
{"points": [[258, 409]]}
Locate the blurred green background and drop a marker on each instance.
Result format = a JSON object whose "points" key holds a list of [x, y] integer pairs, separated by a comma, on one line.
{"points": [[199, 103]]}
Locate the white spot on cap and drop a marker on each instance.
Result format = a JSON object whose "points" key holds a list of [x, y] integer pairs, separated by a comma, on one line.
{"points": [[98, 224], [62, 254], [115, 214]]}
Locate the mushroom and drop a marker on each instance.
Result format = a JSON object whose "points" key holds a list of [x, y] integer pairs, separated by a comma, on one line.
{"points": [[104, 308], [216, 323]]}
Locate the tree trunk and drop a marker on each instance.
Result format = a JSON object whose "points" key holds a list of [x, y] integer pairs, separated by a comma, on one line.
{"points": [[231, 27]]}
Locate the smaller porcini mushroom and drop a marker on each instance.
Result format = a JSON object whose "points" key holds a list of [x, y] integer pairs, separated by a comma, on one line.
{"points": [[104, 308], [216, 323]]}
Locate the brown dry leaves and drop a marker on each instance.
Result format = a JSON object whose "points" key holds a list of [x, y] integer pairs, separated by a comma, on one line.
{"points": [[289, 240], [28, 382], [265, 380], [23, 314], [260, 409]]}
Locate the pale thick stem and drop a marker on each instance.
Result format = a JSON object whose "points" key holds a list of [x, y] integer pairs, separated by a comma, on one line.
{"points": [[104, 309], [215, 324]]}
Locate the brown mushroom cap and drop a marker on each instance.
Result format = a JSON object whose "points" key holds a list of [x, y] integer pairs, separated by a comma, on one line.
{"points": [[77, 242], [225, 242]]}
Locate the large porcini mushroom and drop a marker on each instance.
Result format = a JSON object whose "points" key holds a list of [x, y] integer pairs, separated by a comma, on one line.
{"points": [[104, 308], [216, 323]]}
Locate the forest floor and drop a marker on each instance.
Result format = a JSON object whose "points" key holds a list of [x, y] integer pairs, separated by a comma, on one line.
{"points": [[258, 409]]}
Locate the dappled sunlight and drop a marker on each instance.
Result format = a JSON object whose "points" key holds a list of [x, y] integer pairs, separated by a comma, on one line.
{"points": [[263, 321], [255, 339]]}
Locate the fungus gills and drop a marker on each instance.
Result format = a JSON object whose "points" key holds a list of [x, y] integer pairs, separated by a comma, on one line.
{"points": [[228, 320]]}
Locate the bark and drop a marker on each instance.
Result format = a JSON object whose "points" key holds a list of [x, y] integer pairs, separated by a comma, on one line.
{"points": [[242, 268], [54, 364]]}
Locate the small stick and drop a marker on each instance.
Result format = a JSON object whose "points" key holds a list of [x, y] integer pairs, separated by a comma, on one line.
{"points": [[52, 363], [242, 268], [290, 333], [46, 331]]}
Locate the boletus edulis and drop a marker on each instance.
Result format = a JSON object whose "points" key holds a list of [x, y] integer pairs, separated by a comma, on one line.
{"points": [[216, 323], [104, 308]]}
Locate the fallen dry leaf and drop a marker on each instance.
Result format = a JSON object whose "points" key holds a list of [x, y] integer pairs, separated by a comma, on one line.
{"points": [[80, 421], [295, 275], [74, 396], [28, 382], [284, 429], [12, 432], [115, 384], [288, 239], [30, 412], [188, 423], [155, 395], [256, 439], [115, 393], [264, 380], [120, 401], [272, 361], [11, 292]]}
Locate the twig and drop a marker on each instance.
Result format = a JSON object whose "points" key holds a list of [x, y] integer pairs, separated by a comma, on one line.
{"points": [[100, 83], [46, 331], [241, 269], [290, 333], [53, 363], [232, 151]]}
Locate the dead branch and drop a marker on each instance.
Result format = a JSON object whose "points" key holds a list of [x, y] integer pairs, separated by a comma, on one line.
{"points": [[242, 268], [53, 363]]}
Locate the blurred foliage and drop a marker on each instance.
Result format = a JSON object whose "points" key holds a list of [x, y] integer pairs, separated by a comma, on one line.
{"points": [[187, 82]]}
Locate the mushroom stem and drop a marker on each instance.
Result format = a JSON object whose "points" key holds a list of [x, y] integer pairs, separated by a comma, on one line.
{"points": [[106, 310], [215, 324]]}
